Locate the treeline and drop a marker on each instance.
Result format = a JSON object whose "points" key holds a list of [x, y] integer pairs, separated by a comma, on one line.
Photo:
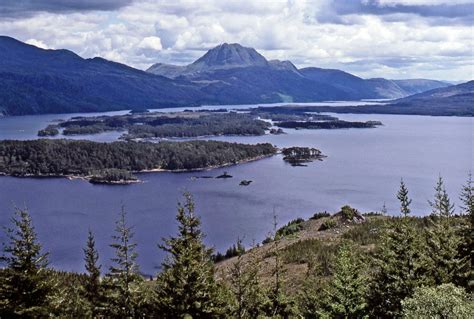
{"points": [[328, 125], [416, 270], [83, 158], [163, 125]]}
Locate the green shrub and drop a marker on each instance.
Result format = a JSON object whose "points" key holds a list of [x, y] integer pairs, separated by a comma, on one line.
{"points": [[328, 224], [292, 227]]}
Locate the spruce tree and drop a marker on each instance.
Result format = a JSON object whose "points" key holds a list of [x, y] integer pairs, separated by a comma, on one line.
{"points": [[25, 289], [466, 249], [442, 242], [346, 296], [92, 286], [123, 279], [186, 286], [397, 263]]}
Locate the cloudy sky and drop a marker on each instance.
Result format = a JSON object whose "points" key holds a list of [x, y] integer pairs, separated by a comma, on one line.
{"points": [[370, 38]]}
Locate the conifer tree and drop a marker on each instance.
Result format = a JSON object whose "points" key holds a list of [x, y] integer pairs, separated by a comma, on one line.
{"points": [[123, 278], [397, 263], [466, 249], [25, 289], [250, 297], [442, 242], [92, 286], [346, 296], [186, 286]]}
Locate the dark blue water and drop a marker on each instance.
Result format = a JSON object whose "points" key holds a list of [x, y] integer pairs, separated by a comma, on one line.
{"points": [[363, 169]]}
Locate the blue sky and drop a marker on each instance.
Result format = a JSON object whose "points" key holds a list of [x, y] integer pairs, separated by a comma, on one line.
{"points": [[370, 38]]}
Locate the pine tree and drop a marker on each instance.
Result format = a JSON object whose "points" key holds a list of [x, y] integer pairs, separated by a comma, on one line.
{"points": [[397, 263], [250, 297], [466, 249], [186, 286], [346, 296], [123, 278], [405, 201], [25, 289], [442, 241], [92, 286]]}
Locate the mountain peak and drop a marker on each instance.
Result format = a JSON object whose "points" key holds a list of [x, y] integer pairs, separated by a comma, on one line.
{"points": [[226, 56]]}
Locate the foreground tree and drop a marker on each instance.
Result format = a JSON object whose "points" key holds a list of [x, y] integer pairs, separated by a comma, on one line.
{"points": [[186, 287], [443, 264], [92, 287], [123, 279], [346, 295], [466, 249], [397, 263], [445, 301], [25, 288]]}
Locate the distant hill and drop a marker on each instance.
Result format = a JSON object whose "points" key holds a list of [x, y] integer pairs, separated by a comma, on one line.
{"points": [[457, 100], [36, 81]]}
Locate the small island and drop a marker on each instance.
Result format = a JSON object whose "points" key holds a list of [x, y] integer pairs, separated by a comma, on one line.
{"points": [[113, 176], [327, 125], [297, 156]]}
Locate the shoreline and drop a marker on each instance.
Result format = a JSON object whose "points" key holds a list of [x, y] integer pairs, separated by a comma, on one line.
{"points": [[138, 181]]}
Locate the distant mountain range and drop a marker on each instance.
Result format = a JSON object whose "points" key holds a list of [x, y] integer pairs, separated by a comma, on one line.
{"points": [[36, 81], [457, 100], [234, 66]]}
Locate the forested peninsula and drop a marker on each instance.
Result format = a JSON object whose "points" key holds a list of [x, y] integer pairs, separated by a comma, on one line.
{"points": [[115, 162]]}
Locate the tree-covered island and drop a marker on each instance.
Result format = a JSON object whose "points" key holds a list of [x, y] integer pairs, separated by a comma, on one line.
{"points": [[190, 124], [115, 162]]}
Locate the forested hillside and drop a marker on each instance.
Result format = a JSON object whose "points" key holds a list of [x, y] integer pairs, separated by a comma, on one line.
{"points": [[347, 265]]}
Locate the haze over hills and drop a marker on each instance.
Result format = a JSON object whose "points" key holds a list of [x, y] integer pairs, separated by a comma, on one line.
{"points": [[36, 81], [457, 100]]}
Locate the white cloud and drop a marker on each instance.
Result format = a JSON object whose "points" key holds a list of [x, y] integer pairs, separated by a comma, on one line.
{"points": [[37, 43], [309, 33], [152, 43]]}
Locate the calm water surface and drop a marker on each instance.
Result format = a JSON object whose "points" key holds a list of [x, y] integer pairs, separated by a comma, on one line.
{"points": [[363, 169]]}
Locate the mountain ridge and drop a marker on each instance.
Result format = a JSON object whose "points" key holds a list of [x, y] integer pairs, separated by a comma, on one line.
{"points": [[38, 81]]}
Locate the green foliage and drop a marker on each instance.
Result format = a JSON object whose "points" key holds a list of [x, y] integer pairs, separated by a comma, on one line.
{"points": [[348, 213], [442, 241], [292, 227], [166, 125], [320, 215], [313, 252], [112, 175], [93, 289], [466, 249], [250, 298], [405, 201], [235, 250], [123, 280], [328, 224], [50, 130], [25, 288], [346, 294], [186, 286], [69, 157], [398, 267], [367, 233], [444, 301]]}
